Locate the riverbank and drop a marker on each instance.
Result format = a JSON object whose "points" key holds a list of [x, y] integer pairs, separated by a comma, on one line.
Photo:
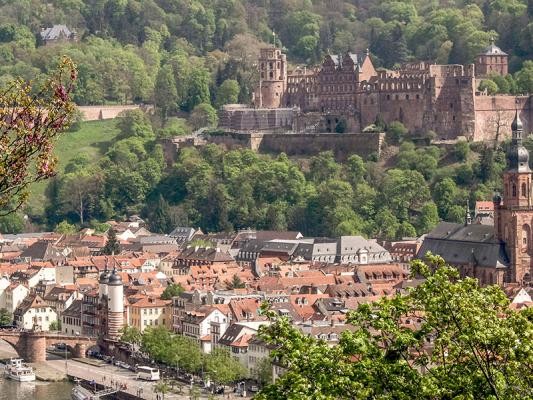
{"points": [[55, 369]]}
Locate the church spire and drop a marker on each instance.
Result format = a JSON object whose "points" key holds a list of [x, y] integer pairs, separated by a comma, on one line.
{"points": [[518, 155], [516, 125], [468, 216]]}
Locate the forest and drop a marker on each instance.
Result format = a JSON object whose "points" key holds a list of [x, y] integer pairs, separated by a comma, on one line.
{"points": [[189, 58], [401, 196], [178, 53]]}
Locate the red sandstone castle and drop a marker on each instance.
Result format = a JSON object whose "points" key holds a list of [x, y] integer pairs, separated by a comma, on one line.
{"points": [[423, 96]]}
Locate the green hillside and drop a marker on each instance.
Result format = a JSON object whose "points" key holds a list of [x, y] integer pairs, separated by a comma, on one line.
{"points": [[92, 139]]}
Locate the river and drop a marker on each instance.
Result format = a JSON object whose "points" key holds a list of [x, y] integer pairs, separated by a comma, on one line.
{"points": [[11, 390]]}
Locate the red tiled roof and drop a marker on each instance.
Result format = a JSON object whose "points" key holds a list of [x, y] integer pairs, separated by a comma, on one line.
{"points": [[484, 206], [147, 302]]}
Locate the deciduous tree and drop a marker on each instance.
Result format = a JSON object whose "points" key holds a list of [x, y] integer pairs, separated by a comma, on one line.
{"points": [[447, 338], [30, 120]]}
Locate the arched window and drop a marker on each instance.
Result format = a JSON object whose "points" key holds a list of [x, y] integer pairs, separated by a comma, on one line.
{"points": [[526, 235], [514, 190], [524, 190]]}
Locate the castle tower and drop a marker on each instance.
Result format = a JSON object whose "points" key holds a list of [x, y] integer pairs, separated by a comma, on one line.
{"points": [[115, 313], [514, 217], [272, 78], [492, 61]]}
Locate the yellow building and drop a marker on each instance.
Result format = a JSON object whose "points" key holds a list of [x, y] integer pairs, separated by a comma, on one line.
{"points": [[150, 311]]}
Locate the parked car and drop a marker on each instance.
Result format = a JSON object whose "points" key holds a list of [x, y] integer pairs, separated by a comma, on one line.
{"points": [[94, 353]]}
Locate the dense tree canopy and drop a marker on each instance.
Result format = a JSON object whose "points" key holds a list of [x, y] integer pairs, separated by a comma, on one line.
{"points": [[222, 190], [179, 53], [445, 339]]}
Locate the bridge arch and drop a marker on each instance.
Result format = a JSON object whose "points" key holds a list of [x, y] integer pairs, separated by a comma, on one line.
{"points": [[32, 346], [13, 342]]}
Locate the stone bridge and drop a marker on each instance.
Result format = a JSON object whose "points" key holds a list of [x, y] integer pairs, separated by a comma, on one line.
{"points": [[31, 346]]}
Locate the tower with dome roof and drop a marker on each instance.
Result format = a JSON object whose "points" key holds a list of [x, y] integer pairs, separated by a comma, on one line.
{"points": [[513, 213]]}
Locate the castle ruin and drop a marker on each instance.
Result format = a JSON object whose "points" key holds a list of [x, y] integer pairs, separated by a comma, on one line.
{"points": [[423, 96]]}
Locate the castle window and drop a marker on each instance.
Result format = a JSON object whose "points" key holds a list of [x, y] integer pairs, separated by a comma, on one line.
{"points": [[271, 74], [388, 97], [417, 96], [397, 97], [451, 105], [514, 191], [270, 65], [407, 97], [524, 190]]}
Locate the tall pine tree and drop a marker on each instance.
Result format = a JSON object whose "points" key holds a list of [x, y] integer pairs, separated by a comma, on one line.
{"points": [[112, 246], [160, 220], [166, 94]]}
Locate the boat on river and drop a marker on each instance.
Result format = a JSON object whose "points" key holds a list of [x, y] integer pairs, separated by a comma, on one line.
{"points": [[18, 371], [86, 392]]}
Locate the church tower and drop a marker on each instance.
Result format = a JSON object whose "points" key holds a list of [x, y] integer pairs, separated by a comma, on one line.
{"points": [[513, 215]]}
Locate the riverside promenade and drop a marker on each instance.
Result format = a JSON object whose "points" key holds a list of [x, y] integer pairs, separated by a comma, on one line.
{"points": [[55, 369]]}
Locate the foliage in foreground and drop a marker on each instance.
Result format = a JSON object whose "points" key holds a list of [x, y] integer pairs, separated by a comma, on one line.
{"points": [[30, 120], [446, 339]]}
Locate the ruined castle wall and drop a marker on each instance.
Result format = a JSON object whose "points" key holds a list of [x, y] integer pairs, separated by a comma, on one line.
{"points": [[342, 145], [299, 144], [257, 119], [494, 115], [446, 107], [369, 107], [272, 94], [231, 140], [93, 113], [404, 106]]}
